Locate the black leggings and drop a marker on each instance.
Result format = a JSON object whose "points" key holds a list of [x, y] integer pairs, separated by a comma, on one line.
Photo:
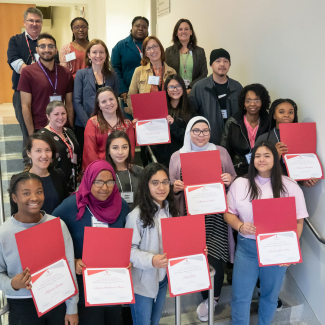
{"points": [[217, 264], [23, 312], [99, 315]]}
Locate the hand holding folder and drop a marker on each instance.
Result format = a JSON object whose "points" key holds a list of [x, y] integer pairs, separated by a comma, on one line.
{"points": [[106, 254], [276, 231], [41, 249], [301, 159], [151, 110], [188, 268], [203, 187]]}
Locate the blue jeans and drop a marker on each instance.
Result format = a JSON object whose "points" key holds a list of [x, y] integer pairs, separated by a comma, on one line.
{"points": [[245, 275], [147, 311]]}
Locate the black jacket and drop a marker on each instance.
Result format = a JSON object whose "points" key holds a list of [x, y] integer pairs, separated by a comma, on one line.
{"points": [[200, 69], [163, 152], [235, 140], [60, 183]]}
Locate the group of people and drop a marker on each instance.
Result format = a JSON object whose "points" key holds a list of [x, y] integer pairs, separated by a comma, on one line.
{"points": [[78, 126]]}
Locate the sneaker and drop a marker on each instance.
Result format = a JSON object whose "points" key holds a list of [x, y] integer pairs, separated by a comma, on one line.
{"points": [[203, 310], [280, 304]]}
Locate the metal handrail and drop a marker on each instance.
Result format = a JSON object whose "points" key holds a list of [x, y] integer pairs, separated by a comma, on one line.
{"points": [[4, 309], [152, 156], [2, 211], [314, 231]]}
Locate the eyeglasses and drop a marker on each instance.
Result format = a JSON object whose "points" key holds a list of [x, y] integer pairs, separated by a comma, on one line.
{"points": [[153, 48], [49, 46], [157, 183], [32, 21], [205, 132], [252, 101], [80, 27], [100, 184], [177, 87]]}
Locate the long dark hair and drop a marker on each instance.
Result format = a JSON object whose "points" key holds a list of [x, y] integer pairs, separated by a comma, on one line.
{"points": [[103, 125], [144, 200], [184, 111], [46, 138], [260, 91], [274, 105], [14, 181], [117, 135], [278, 187], [73, 21], [192, 42]]}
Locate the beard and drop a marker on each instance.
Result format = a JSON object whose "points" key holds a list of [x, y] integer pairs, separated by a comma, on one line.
{"points": [[47, 59]]}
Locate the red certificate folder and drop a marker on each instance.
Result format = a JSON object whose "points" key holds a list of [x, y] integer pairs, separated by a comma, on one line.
{"points": [[201, 168], [150, 106], [107, 248], [41, 246], [274, 216], [178, 236], [300, 138]]}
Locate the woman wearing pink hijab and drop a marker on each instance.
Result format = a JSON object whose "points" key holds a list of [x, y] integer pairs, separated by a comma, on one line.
{"points": [[97, 203]]}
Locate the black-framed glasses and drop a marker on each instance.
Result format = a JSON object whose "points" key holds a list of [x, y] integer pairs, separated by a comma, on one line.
{"points": [[32, 21], [177, 87], [84, 27], [100, 184], [205, 132], [157, 183], [49, 46]]}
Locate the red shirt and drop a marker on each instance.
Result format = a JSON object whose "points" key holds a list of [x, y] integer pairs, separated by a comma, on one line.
{"points": [[95, 141], [34, 81]]}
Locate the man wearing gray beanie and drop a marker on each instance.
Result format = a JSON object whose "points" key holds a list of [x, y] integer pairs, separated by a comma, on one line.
{"points": [[216, 97]]}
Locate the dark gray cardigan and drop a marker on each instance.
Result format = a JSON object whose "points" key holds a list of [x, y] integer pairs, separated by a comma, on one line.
{"points": [[200, 69]]}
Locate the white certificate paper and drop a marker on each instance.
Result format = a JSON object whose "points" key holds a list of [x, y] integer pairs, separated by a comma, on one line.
{"points": [[188, 274], [108, 286], [52, 285], [278, 248], [152, 131], [206, 199], [303, 166]]}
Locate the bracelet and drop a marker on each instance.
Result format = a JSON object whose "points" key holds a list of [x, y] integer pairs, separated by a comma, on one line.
{"points": [[240, 227]]}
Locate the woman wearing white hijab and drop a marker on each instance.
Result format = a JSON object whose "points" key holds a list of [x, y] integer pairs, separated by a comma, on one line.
{"points": [[196, 139]]}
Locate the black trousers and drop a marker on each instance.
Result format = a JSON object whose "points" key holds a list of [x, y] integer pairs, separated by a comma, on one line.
{"points": [[23, 312], [16, 101], [217, 264], [99, 315]]}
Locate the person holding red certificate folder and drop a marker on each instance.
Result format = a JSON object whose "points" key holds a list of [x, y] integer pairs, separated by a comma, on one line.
{"points": [[264, 181], [26, 191], [155, 201], [97, 203], [196, 139], [282, 111]]}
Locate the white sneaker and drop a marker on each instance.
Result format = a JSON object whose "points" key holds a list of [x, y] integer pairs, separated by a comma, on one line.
{"points": [[203, 310]]}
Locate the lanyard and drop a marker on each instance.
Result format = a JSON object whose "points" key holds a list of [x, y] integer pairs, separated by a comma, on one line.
{"points": [[276, 135], [96, 80], [185, 63], [138, 48], [30, 52], [70, 146], [121, 183], [161, 78], [56, 76]]}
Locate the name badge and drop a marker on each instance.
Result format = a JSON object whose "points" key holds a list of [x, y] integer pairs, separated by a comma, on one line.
{"points": [[71, 56], [74, 159], [97, 223], [56, 97], [187, 82], [248, 157], [127, 196], [191, 53], [153, 80], [224, 113], [36, 56], [141, 55]]}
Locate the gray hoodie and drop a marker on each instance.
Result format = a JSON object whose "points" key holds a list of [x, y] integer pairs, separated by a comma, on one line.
{"points": [[145, 245]]}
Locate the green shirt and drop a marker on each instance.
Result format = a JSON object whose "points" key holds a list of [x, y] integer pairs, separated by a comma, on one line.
{"points": [[187, 61]]}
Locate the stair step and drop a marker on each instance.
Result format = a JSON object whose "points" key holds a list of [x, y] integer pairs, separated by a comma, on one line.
{"points": [[11, 162], [10, 129]]}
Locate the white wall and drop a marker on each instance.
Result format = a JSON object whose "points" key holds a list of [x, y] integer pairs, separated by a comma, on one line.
{"points": [[280, 44]]}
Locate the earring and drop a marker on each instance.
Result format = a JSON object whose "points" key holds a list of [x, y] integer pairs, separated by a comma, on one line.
{"points": [[30, 160], [89, 60]]}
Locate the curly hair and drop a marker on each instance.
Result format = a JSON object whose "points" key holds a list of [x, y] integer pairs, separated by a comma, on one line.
{"points": [[260, 91], [274, 105], [148, 208]]}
